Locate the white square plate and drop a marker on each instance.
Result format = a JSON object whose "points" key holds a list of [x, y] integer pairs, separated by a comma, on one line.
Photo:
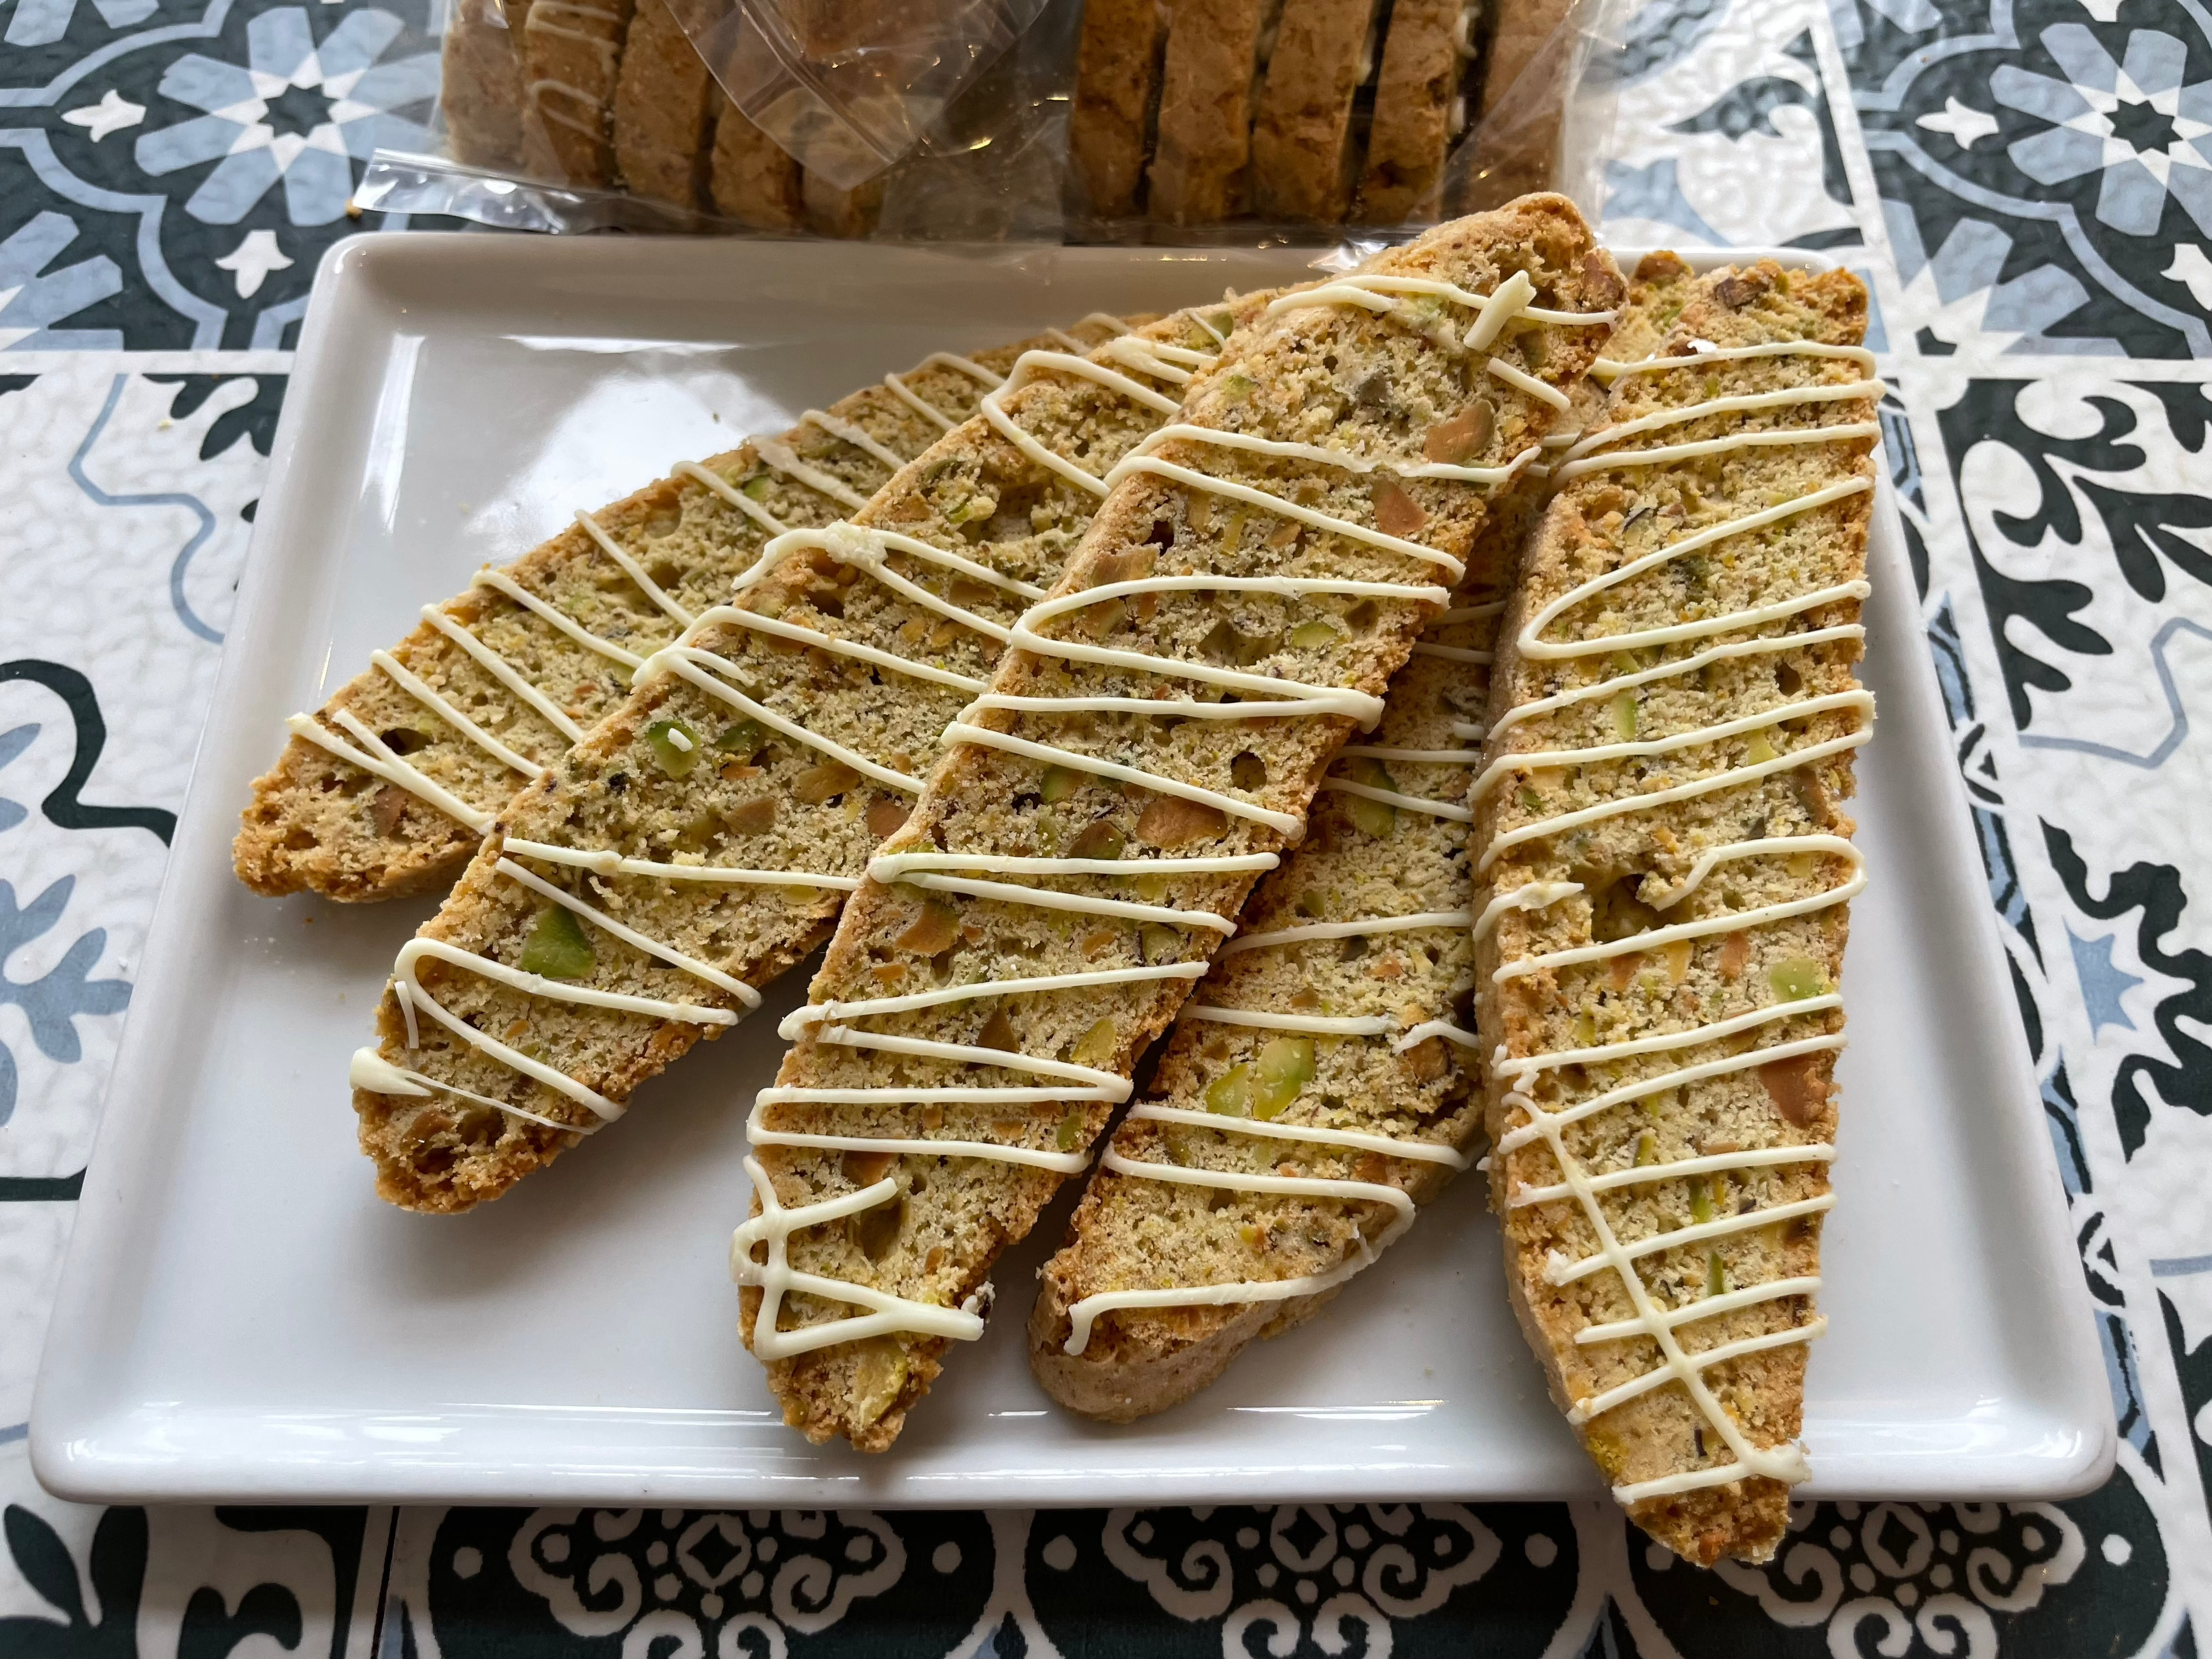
{"points": [[241, 1318]]}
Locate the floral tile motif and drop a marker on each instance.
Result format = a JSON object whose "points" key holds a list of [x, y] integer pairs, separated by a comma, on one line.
{"points": [[172, 186], [2048, 163], [1712, 100], [2024, 183]]}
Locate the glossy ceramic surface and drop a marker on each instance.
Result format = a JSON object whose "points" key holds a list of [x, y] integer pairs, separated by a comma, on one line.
{"points": [[242, 1319]]}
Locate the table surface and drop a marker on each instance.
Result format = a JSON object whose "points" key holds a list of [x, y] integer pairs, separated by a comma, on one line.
{"points": [[2027, 187]]}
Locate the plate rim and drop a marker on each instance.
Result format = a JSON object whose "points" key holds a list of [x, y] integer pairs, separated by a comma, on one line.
{"points": [[65, 1443]]}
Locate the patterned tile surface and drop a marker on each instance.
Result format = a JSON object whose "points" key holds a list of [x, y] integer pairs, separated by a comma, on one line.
{"points": [[2027, 184]]}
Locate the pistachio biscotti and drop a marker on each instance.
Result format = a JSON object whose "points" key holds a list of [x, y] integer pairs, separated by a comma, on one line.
{"points": [[1663, 899], [389, 788], [701, 838], [1325, 1072], [1259, 570]]}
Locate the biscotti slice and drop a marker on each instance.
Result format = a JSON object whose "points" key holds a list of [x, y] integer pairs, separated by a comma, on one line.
{"points": [[1304, 154], [663, 108], [1334, 1029], [751, 178], [1420, 109], [1662, 902], [1525, 94], [480, 83], [701, 838], [1260, 569], [1519, 31], [1117, 90], [388, 789], [571, 51], [1215, 55]]}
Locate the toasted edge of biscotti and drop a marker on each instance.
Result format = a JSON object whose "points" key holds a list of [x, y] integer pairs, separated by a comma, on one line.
{"points": [[1402, 174], [1305, 154], [1117, 85], [663, 114], [1745, 1518]]}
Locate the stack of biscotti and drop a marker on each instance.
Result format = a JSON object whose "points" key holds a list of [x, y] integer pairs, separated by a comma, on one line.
{"points": [[1306, 111], [612, 94], [1663, 902], [702, 837], [383, 793], [1238, 605], [1333, 1031]]}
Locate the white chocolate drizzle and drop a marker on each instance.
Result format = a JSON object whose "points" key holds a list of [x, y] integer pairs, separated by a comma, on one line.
{"points": [[870, 550], [1541, 1123], [377, 757], [967, 873], [919, 404], [777, 1278], [1084, 1314]]}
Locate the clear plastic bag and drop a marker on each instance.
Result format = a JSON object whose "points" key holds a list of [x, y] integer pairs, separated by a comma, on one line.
{"points": [[987, 120], [847, 89]]}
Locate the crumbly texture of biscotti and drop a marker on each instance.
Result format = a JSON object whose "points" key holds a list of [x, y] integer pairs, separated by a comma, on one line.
{"points": [[744, 796], [753, 179], [320, 823], [480, 83], [1626, 869], [1205, 141], [830, 209], [1304, 155], [1117, 88], [1366, 384], [1363, 860], [1411, 131], [571, 59], [662, 110]]}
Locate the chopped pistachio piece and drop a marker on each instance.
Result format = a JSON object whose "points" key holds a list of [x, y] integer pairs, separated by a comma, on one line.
{"points": [[743, 740], [1231, 1094], [1285, 1066], [558, 947], [675, 747], [1796, 978], [1701, 1200]]}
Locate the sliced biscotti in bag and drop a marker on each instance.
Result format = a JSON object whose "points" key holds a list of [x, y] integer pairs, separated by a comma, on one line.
{"points": [[1260, 569], [1324, 1079], [1663, 899], [702, 837], [388, 788]]}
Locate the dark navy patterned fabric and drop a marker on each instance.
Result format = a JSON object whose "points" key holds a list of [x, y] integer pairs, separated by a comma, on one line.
{"points": [[2026, 185]]}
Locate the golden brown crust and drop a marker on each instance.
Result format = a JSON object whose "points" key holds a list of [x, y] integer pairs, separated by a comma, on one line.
{"points": [[1117, 87], [1198, 170], [1303, 153], [1411, 128], [834, 210], [662, 110], [1372, 385], [753, 181], [571, 57], [480, 84], [1599, 522]]}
